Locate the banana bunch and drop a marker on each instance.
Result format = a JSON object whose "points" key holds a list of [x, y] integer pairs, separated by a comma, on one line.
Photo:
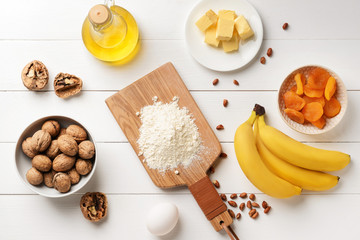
{"points": [[280, 166]]}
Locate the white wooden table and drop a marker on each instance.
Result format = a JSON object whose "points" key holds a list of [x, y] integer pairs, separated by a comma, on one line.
{"points": [[320, 32]]}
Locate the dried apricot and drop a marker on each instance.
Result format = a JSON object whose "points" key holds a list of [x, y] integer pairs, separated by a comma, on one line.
{"points": [[319, 123], [293, 89], [332, 108], [321, 100], [330, 88], [293, 101], [300, 81], [312, 111], [295, 115], [311, 92], [318, 78]]}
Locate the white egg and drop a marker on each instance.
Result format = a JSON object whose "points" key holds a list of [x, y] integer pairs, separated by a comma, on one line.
{"points": [[162, 218]]}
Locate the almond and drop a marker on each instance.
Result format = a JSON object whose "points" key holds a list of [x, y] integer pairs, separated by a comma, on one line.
{"points": [[267, 209], [225, 102], [238, 216], [219, 127], [252, 197], [231, 212], [216, 183], [256, 214], [248, 204], [252, 212], [223, 155], [264, 204], [223, 197], [232, 203], [262, 60], [269, 52], [243, 195], [215, 82], [285, 26], [242, 206], [254, 204], [236, 82], [233, 196]]}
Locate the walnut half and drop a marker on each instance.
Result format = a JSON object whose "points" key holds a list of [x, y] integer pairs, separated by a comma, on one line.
{"points": [[35, 75], [67, 85], [93, 206]]}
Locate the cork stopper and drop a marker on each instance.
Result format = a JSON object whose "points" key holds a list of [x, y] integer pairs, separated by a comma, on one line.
{"points": [[99, 14]]}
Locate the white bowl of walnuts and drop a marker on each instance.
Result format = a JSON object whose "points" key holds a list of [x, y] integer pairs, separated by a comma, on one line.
{"points": [[55, 156]]}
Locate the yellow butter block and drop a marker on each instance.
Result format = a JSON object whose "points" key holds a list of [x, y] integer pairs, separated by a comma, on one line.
{"points": [[228, 14], [210, 36], [207, 20], [232, 44], [224, 29], [243, 28]]}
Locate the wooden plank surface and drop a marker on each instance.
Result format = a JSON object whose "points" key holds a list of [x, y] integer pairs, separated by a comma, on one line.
{"points": [[320, 32]]}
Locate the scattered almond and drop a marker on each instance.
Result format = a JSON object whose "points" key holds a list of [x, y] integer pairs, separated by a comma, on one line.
{"points": [[223, 197], [236, 82], [219, 127], [233, 196], [232, 203], [254, 204], [285, 26], [267, 209], [243, 195], [252, 212], [242, 206], [231, 212], [223, 155], [211, 170], [256, 214], [252, 197], [264, 204], [216, 183], [225, 102], [269, 52], [238, 216], [248, 204], [215, 82], [262, 60]]}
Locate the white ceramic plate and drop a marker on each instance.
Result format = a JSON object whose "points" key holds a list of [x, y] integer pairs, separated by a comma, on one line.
{"points": [[23, 163], [215, 58]]}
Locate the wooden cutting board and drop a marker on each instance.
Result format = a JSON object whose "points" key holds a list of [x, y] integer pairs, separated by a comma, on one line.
{"points": [[165, 83]]}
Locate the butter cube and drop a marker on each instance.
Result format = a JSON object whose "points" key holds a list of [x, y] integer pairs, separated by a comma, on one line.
{"points": [[228, 14], [210, 36], [232, 44], [207, 20], [243, 28], [225, 25]]}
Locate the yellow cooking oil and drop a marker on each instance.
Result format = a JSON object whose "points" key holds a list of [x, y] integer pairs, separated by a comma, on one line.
{"points": [[110, 33]]}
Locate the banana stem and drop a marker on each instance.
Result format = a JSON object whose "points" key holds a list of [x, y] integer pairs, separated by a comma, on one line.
{"points": [[260, 110]]}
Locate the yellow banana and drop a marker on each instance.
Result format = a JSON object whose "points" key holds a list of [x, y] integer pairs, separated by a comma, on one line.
{"points": [[254, 168], [298, 153], [304, 178]]}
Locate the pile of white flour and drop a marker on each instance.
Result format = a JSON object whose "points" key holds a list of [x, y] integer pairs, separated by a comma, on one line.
{"points": [[168, 135]]}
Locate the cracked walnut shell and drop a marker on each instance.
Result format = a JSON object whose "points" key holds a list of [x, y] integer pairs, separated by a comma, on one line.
{"points": [[86, 150], [67, 85], [63, 163], [52, 127], [35, 75], [42, 140], [62, 182], [29, 147], [77, 132], [94, 206], [68, 145]]}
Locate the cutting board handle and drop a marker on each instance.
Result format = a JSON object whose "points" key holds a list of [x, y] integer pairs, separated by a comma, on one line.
{"points": [[210, 203]]}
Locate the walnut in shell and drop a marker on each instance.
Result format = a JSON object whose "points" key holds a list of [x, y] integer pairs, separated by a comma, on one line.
{"points": [[53, 150], [34, 176], [77, 132], [62, 182], [48, 178], [83, 167], [67, 85], [94, 206], [42, 140], [29, 147], [41, 163], [52, 127], [86, 149], [68, 145], [63, 163], [74, 176], [35, 75], [62, 132]]}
